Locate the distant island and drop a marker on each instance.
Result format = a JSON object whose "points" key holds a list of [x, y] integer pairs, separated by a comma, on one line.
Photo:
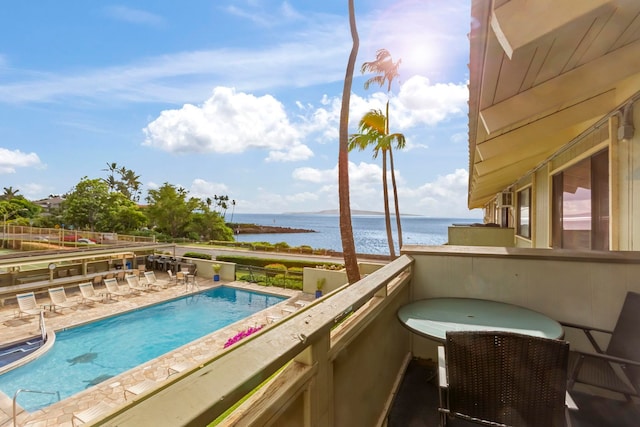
{"points": [[264, 229], [337, 212]]}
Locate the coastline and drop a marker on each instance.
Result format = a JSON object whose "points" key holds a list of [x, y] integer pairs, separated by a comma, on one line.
{"points": [[265, 229]]}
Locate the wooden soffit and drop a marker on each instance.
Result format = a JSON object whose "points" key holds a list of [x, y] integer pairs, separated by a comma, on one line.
{"points": [[542, 72]]}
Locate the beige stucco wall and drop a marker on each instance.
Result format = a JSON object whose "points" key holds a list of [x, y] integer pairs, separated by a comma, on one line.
{"points": [[581, 287], [628, 165], [541, 201], [205, 269], [480, 236], [333, 279], [364, 372]]}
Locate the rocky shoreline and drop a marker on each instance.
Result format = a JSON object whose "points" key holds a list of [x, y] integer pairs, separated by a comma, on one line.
{"points": [[265, 229]]}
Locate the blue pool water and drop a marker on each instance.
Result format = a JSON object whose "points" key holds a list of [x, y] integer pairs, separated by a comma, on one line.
{"points": [[92, 353]]}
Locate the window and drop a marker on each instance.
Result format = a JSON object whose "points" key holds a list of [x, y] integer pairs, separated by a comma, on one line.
{"points": [[580, 208], [524, 213]]}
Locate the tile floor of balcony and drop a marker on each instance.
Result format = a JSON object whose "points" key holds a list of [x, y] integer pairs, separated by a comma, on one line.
{"points": [[416, 404]]}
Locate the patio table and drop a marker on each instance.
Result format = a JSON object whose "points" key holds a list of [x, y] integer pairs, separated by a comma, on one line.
{"points": [[432, 318]]}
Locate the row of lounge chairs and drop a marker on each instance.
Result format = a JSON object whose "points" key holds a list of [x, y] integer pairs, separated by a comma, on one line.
{"points": [[28, 305]]}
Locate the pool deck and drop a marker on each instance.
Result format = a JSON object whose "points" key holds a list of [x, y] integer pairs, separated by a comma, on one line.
{"points": [[112, 391]]}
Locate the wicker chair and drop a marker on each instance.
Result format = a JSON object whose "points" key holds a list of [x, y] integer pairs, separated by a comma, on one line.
{"points": [[501, 378], [623, 350]]}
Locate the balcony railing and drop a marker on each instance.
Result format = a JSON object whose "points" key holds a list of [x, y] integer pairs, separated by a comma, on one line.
{"points": [[339, 361]]}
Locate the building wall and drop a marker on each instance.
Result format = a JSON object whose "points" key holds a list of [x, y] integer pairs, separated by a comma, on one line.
{"points": [[628, 187], [624, 185]]}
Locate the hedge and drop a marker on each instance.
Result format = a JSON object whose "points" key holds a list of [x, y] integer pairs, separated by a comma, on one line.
{"points": [[262, 262], [196, 255]]}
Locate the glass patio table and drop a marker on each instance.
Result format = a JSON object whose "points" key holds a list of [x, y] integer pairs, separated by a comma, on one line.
{"points": [[432, 318]]}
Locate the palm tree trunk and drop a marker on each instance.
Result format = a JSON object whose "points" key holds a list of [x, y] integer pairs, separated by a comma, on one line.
{"points": [[387, 214], [395, 197], [346, 229]]}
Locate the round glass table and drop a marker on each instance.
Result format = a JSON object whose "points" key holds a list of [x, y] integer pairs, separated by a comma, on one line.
{"points": [[432, 318]]}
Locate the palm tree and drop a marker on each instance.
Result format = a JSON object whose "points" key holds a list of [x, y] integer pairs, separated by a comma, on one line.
{"points": [[131, 183], [111, 180], [9, 193], [373, 131], [233, 209], [346, 229], [386, 71]]}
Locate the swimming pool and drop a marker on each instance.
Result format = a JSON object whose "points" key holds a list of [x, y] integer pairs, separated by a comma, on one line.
{"points": [[90, 354]]}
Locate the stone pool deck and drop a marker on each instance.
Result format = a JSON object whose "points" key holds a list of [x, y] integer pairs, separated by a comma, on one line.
{"points": [[112, 390]]}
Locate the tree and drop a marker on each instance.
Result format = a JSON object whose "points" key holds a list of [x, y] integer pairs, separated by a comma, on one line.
{"points": [[9, 193], [346, 228], [373, 132], [86, 206], [386, 71], [121, 215], [169, 210], [128, 182], [131, 184], [210, 226], [111, 180]]}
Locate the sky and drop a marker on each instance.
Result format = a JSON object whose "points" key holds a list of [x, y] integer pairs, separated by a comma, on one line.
{"points": [[233, 97]]}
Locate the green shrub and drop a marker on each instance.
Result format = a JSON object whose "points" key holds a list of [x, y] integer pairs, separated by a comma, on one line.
{"points": [[197, 255], [262, 262]]}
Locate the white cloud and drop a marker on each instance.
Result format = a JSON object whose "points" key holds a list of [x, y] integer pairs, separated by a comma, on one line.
{"points": [[265, 16], [460, 138], [32, 190], [202, 189], [10, 160], [421, 103], [310, 53], [134, 16], [228, 122], [152, 185], [181, 77], [445, 197]]}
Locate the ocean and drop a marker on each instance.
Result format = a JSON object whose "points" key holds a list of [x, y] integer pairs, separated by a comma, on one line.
{"points": [[368, 230]]}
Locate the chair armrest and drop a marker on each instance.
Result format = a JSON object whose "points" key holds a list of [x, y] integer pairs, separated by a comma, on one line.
{"points": [[585, 328], [587, 331], [442, 368], [609, 358]]}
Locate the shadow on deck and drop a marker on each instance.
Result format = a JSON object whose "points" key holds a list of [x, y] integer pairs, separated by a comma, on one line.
{"points": [[416, 404]]}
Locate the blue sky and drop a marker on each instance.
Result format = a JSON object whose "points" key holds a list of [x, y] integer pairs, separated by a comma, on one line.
{"points": [[234, 97]]}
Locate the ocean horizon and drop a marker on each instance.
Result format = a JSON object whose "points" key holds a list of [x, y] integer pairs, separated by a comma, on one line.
{"points": [[369, 231]]}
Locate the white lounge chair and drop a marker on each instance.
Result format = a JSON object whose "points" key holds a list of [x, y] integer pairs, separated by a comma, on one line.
{"points": [[141, 269], [152, 280], [89, 294], [172, 278], [82, 417], [28, 305], [114, 289], [140, 388], [59, 299], [177, 368], [135, 285]]}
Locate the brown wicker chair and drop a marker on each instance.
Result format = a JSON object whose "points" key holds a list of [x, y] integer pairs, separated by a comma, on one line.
{"points": [[503, 379], [623, 350]]}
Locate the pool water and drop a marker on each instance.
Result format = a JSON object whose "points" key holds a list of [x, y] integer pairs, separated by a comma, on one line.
{"points": [[90, 354], [16, 351]]}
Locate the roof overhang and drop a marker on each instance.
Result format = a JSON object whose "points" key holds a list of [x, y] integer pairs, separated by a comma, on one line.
{"points": [[541, 73]]}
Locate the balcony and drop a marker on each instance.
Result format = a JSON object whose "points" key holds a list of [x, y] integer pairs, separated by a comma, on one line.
{"points": [[342, 360], [480, 235]]}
